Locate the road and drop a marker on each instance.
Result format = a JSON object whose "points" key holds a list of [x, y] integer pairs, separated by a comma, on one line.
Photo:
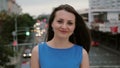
{"points": [[99, 58], [25, 63], [102, 58]]}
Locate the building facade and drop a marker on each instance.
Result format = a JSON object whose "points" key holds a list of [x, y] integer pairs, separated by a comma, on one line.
{"points": [[10, 6], [105, 11]]}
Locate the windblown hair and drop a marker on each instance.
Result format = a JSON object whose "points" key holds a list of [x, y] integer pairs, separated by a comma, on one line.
{"points": [[81, 35]]}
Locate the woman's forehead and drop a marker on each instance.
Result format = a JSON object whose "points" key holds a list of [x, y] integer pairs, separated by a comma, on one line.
{"points": [[63, 14]]}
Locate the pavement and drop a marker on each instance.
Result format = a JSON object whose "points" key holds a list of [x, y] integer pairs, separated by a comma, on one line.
{"points": [[18, 64], [110, 49], [16, 60], [102, 56]]}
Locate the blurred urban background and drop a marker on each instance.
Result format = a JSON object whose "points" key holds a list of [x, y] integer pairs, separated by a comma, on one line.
{"points": [[20, 32]]}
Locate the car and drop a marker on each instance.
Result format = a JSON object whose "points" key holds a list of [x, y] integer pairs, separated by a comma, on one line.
{"points": [[27, 53]]}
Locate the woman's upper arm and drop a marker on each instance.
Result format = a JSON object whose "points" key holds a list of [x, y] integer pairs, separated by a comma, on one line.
{"points": [[34, 63], [85, 60]]}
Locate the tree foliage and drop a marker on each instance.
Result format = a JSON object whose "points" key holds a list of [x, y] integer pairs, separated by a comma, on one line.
{"points": [[5, 38], [24, 22], [7, 26], [5, 53]]}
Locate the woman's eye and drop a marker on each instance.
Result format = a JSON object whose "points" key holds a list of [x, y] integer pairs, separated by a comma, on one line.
{"points": [[59, 21], [70, 23]]}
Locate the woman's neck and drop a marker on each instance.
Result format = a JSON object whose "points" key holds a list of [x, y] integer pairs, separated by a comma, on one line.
{"points": [[60, 43]]}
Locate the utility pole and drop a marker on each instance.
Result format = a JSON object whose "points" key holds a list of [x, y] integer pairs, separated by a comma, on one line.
{"points": [[16, 39]]}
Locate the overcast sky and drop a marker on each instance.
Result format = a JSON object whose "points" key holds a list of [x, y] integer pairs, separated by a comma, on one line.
{"points": [[37, 7]]}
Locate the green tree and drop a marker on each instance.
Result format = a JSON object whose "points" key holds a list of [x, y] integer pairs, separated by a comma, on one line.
{"points": [[25, 21], [5, 38], [6, 28], [5, 53]]}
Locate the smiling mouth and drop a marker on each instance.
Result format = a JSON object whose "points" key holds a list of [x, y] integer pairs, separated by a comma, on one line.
{"points": [[63, 31]]}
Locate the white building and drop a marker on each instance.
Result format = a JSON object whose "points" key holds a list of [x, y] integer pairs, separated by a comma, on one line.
{"points": [[10, 6], [106, 12]]}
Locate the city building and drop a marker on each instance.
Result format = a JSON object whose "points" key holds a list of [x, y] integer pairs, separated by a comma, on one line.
{"points": [[83, 13], [10, 6], [104, 10], [106, 13]]}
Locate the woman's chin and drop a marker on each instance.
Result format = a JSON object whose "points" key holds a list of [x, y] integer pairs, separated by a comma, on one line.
{"points": [[63, 36]]}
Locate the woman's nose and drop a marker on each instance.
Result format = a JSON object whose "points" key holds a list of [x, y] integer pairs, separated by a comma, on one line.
{"points": [[64, 25]]}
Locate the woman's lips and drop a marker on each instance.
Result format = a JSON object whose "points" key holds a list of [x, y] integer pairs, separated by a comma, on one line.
{"points": [[62, 31]]}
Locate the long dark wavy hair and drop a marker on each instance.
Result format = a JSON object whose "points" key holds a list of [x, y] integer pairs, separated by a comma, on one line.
{"points": [[81, 35]]}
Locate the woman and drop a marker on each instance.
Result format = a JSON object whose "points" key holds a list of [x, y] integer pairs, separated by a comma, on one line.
{"points": [[68, 41]]}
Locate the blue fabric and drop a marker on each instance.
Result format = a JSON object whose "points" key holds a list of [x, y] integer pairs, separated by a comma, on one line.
{"points": [[59, 58]]}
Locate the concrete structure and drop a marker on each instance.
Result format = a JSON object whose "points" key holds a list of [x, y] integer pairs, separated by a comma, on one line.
{"points": [[10, 6], [83, 13], [105, 12]]}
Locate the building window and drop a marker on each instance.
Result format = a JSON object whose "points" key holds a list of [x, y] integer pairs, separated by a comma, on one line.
{"points": [[119, 16]]}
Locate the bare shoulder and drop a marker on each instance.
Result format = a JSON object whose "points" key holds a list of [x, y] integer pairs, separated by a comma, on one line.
{"points": [[34, 58], [35, 49], [85, 60], [85, 52]]}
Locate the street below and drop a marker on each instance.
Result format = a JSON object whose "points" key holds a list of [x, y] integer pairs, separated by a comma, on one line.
{"points": [[99, 58]]}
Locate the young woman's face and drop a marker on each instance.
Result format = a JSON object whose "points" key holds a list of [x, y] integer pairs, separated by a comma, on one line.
{"points": [[63, 24]]}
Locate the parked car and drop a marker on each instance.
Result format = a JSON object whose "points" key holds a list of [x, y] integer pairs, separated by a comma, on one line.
{"points": [[27, 53]]}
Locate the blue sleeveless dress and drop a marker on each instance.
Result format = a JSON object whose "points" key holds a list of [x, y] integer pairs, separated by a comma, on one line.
{"points": [[59, 58]]}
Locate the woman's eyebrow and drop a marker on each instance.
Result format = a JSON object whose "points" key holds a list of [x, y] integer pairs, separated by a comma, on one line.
{"points": [[63, 19]]}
